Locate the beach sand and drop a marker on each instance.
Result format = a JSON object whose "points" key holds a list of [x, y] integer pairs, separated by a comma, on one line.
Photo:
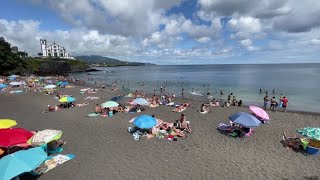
{"points": [[105, 150]]}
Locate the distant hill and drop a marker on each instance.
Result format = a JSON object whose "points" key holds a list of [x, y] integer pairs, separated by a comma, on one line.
{"points": [[95, 60]]}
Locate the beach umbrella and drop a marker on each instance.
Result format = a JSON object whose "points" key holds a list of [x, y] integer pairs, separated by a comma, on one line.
{"points": [[20, 162], [45, 136], [259, 112], [3, 86], [245, 119], [145, 122], [117, 98], [14, 136], [141, 101], [14, 76], [109, 104], [62, 83], [15, 83], [50, 86], [7, 123], [310, 132], [67, 99]]}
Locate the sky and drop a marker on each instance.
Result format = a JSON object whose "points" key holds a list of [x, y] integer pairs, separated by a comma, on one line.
{"points": [[169, 32]]}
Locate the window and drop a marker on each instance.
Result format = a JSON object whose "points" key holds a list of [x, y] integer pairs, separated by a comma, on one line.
{"points": [[54, 47], [61, 55]]}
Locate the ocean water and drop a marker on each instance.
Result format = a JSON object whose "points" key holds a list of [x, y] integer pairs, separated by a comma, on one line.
{"points": [[300, 83]]}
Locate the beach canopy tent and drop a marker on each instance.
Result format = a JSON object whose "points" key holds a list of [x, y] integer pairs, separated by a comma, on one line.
{"points": [[117, 98], [14, 136], [259, 112], [245, 119], [145, 122], [20, 162], [50, 86], [310, 132], [7, 123], [15, 83], [109, 104], [45, 136], [141, 101], [3, 86], [67, 99]]}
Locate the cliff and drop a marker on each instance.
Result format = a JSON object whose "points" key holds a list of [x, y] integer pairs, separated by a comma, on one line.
{"points": [[57, 66]]}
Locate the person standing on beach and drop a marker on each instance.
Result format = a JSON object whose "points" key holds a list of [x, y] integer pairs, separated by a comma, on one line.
{"points": [[182, 92], [273, 103], [280, 100], [260, 91], [265, 102], [284, 104]]}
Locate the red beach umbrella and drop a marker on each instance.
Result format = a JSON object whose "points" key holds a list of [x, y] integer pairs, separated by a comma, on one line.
{"points": [[14, 136]]}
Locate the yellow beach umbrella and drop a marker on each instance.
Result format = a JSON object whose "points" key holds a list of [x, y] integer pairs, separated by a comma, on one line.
{"points": [[7, 123]]}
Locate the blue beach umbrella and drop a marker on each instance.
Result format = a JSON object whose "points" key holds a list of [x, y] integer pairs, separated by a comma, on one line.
{"points": [[117, 98], [3, 86], [145, 122], [20, 162], [245, 119], [141, 101]]}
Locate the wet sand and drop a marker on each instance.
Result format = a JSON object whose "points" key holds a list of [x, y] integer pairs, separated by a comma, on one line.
{"points": [[105, 150]]}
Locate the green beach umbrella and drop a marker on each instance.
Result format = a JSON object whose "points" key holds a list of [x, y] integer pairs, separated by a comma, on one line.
{"points": [[310, 132], [109, 104]]}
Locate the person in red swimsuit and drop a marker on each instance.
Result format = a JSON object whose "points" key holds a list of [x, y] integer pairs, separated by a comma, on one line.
{"points": [[284, 103]]}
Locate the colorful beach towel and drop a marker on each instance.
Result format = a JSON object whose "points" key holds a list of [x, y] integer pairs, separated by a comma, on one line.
{"points": [[52, 162]]}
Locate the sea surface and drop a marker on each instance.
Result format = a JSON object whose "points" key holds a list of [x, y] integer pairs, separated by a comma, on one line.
{"points": [[300, 83]]}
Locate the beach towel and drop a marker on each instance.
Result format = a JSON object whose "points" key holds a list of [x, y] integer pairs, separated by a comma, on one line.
{"points": [[91, 98], [178, 110], [83, 104], [16, 92], [52, 162], [93, 114]]}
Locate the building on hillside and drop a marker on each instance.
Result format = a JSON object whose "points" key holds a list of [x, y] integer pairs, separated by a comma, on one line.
{"points": [[54, 50], [15, 49]]}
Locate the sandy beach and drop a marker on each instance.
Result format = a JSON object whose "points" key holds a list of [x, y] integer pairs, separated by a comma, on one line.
{"points": [[105, 150]]}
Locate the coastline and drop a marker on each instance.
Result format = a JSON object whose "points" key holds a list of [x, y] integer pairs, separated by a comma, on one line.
{"points": [[104, 148]]}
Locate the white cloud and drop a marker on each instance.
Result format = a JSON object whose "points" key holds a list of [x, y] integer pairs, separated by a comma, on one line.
{"points": [[246, 42], [245, 24]]}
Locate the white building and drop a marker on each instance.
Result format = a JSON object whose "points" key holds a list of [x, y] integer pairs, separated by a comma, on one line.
{"points": [[54, 50]]}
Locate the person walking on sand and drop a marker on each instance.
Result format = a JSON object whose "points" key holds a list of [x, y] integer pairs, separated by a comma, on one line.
{"points": [[265, 102], [284, 104]]}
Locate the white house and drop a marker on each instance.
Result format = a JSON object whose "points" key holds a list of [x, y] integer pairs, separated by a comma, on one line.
{"points": [[54, 50]]}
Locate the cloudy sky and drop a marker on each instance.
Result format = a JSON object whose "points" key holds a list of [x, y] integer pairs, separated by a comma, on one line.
{"points": [[169, 31]]}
